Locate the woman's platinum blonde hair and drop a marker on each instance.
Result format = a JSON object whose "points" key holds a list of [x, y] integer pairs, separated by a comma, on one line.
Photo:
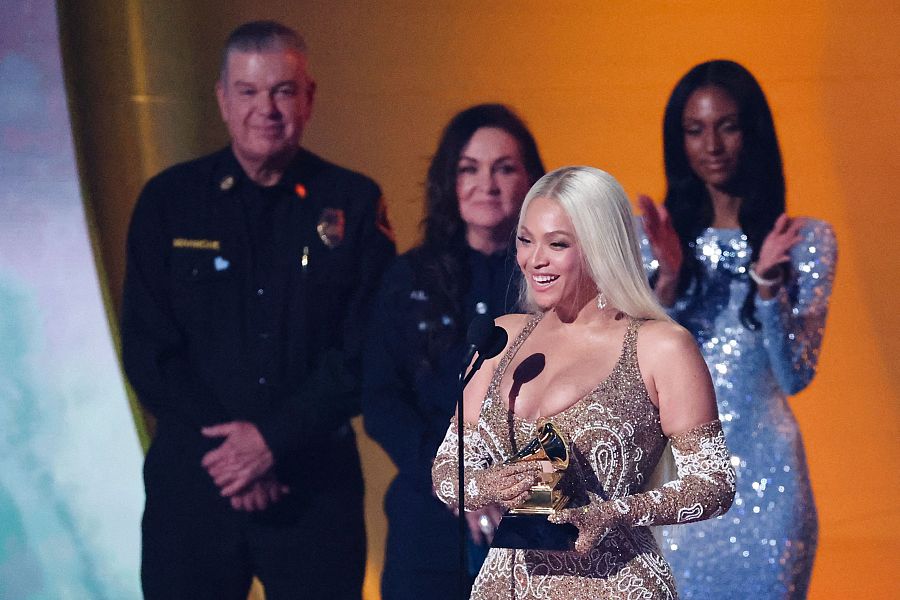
{"points": [[601, 216]]}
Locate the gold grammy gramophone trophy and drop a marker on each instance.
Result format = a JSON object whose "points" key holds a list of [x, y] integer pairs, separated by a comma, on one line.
{"points": [[551, 449], [526, 526]]}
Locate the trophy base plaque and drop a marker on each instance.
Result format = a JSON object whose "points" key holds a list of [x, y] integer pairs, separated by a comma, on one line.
{"points": [[534, 532]]}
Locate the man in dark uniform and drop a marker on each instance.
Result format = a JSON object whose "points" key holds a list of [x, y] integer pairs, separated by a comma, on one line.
{"points": [[247, 288]]}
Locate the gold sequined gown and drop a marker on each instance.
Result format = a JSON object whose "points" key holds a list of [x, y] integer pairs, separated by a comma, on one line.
{"points": [[616, 441]]}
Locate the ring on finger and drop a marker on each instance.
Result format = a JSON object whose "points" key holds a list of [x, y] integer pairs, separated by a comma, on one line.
{"points": [[485, 525]]}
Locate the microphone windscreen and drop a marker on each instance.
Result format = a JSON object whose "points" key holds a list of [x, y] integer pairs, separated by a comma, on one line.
{"points": [[480, 331], [495, 344]]}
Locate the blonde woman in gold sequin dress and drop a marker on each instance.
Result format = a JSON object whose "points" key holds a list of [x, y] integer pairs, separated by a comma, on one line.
{"points": [[599, 357]]}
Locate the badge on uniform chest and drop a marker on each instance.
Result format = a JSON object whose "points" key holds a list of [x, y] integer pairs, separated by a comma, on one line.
{"points": [[330, 227]]}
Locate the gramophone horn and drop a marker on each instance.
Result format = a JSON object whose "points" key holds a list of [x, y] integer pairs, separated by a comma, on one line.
{"points": [[549, 444]]}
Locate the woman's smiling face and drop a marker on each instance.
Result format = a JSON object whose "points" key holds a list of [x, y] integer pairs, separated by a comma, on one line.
{"points": [[491, 181], [550, 257]]}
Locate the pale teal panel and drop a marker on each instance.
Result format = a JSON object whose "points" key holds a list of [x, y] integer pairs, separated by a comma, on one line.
{"points": [[70, 488]]}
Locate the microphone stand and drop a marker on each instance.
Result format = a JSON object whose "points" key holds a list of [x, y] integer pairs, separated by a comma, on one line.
{"points": [[486, 340], [460, 457], [461, 494]]}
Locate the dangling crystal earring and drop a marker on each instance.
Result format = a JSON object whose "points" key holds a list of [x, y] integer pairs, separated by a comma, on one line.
{"points": [[601, 301]]}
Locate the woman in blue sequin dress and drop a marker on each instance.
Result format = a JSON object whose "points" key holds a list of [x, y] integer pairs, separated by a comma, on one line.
{"points": [[753, 286]]}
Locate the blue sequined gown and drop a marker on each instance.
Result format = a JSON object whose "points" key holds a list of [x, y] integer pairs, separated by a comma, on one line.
{"points": [[765, 545]]}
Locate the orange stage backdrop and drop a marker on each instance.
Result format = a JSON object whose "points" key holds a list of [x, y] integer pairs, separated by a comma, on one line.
{"points": [[591, 78]]}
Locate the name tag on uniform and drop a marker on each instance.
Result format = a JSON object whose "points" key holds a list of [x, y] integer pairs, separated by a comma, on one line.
{"points": [[196, 244]]}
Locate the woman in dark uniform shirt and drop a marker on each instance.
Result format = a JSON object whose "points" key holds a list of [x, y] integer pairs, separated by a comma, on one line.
{"points": [[485, 163]]}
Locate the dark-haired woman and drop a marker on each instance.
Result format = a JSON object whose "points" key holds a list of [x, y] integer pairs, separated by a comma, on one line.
{"points": [[752, 285], [485, 163]]}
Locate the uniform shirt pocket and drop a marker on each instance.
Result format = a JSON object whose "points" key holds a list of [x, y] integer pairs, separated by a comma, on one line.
{"points": [[201, 267], [202, 288]]}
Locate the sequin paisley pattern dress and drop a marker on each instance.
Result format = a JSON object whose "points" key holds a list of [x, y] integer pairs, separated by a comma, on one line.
{"points": [[616, 441], [765, 546]]}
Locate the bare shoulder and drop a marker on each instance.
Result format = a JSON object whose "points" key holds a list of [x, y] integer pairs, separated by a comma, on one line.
{"points": [[665, 344], [514, 322], [676, 375], [665, 335]]}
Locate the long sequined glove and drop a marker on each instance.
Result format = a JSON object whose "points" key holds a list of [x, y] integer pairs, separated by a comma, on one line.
{"points": [[485, 482], [703, 489], [506, 485], [594, 521]]}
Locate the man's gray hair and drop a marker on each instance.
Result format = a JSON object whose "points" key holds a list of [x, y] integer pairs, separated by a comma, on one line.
{"points": [[260, 36]]}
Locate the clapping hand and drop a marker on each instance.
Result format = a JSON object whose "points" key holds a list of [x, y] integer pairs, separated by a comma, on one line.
{"points": [[662, 236], [666, 247], [775, 249]]}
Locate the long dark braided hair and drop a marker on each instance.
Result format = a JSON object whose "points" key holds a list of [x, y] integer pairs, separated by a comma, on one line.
{"points": [[439, 262], [759, 180]]}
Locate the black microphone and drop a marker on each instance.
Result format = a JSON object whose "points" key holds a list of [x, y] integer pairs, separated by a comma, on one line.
{"points": [[495, 344], [478, 336], [486, 340]]}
